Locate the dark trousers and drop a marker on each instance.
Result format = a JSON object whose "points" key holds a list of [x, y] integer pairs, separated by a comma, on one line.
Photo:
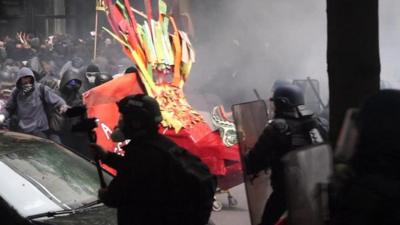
{"points": [[274, 208], [47, 135]]}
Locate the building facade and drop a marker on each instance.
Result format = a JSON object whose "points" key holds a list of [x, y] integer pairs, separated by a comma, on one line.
{"points": [[46, 17]]}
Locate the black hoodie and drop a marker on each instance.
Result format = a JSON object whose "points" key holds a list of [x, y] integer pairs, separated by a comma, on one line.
{"points": [[76, 141], [73, 98]]}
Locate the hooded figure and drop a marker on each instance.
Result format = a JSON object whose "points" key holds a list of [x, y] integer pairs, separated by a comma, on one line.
{"points": [[69, 90], [28, 103], [92, 71]]}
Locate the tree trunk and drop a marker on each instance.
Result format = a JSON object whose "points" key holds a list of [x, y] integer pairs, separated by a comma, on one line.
{"points": [[353, 56]]}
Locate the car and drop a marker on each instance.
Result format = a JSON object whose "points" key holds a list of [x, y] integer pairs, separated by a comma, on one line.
{"points": [[47, 183]]}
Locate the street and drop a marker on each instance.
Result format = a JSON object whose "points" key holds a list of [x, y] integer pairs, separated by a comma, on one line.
{"points": [[233, 215]]}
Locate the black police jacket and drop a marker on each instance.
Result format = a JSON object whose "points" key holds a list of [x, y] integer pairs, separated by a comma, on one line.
{"points": [[280, 136]]}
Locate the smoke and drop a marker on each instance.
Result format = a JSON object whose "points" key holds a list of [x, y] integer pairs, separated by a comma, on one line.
{"points": [[245, 45], [389, 29]]}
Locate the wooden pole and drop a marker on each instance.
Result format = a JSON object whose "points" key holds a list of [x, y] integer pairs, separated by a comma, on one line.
{"points": [[95, 35]]}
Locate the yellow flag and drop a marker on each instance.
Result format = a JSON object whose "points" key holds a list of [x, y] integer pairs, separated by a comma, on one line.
{"points": [[100, 5]]}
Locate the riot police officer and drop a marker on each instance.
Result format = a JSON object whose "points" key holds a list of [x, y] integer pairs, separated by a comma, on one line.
{"points": [[292, 126]]}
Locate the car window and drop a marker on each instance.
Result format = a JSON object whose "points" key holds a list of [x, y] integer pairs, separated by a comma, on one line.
{"points": [[64, 177]]}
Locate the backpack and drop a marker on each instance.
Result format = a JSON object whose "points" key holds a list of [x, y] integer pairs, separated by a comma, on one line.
{"points": [[193, 186], [54, 117]]}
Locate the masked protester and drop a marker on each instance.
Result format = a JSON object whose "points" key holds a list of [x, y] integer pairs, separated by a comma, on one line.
{"points": [[142, 190], [365, 187], [70, 85], [292, 127], [92, 71], [69, 90], [28, 103]]}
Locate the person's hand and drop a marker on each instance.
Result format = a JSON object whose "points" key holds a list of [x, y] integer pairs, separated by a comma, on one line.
{"points": [[98, 151], [102, 193], [2, 118], [63, 109]]}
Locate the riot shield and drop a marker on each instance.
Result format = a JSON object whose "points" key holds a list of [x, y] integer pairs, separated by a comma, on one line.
{"points": [[250, 119], [307, 173], [312, 95]]}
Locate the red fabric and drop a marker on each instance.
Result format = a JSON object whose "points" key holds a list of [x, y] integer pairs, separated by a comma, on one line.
{"points": [[282, 221], [199, 140], [206, 144], [100, 102]]}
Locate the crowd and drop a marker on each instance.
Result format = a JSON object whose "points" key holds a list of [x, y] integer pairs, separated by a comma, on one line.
{"points": [[49, 58], [57, 70], [53, 52]]}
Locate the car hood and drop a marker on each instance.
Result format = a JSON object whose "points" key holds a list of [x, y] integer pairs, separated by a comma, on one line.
{"points": [[100, 215]]}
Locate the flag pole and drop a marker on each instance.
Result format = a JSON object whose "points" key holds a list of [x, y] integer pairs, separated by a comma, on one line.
{"points": [[95, 34], [100, 6]]}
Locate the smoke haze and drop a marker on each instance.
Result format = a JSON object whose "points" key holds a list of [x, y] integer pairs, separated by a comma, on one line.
{"points": [[389, 35], [245, 45]]}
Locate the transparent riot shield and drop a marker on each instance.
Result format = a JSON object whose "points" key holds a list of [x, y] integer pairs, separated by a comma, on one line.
{"points": [[307, 173], [312, 95], [250, 119]]}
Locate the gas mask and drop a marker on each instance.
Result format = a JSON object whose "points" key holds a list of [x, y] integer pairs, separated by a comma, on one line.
{"points": [[27, 88], [91, 76]]}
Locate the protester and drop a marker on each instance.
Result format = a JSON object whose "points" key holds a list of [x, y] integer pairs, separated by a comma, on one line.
{"points": [[144, 190], [92, 71], [28, 103], [70, 85]]}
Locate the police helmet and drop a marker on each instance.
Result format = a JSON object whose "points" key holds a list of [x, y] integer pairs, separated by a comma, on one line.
{"points": [[288, 96], [280, 83], [141, 107]]}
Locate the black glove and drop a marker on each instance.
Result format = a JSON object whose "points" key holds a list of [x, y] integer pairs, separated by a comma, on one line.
{"points": [[98, 151]]}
